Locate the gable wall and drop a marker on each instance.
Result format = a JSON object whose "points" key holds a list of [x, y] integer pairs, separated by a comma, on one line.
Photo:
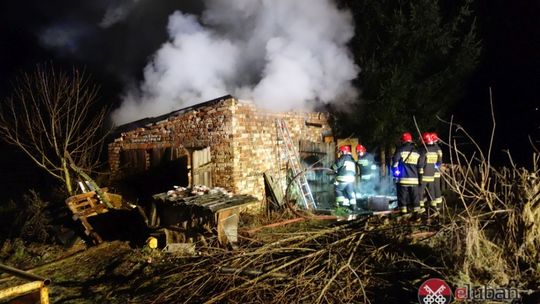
{"points": [[208, 126], [243, 141], [256, 147]]}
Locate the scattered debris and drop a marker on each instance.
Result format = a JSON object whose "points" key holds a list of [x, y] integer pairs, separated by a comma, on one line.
{"points": [[192, 215], [197, 190], [90, 204], [187, 249]]}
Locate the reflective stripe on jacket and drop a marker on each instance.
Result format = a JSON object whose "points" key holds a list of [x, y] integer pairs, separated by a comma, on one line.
{"points": [[365, 168], [407, 160], [439, 161], [429, 157], [345, 168]]}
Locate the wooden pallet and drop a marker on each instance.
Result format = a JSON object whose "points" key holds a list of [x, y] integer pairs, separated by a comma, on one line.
{"points": [[89, 204]]}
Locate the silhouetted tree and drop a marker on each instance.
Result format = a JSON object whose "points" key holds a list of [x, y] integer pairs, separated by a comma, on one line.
{"points": [[415, 57], [53, 118]]}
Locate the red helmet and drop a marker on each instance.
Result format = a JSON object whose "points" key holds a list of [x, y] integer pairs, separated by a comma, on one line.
{"points": [[344, 149], [427, 138], [360, 148], [435, 137], [406, 137]]}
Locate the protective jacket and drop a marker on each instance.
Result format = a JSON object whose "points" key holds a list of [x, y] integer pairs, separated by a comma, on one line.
{"points": [[345, 168], [366, 172], [439, 161], [428, 157], [406, 164]]}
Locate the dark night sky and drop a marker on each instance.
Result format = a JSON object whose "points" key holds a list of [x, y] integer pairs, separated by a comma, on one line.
{"points": [[510, 32]]}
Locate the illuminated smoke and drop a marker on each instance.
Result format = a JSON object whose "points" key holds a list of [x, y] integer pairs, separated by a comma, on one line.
{"points": [[281, 54]]}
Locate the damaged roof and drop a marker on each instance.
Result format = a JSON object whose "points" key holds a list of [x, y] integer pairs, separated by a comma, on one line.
{"points": [[151, 120]]}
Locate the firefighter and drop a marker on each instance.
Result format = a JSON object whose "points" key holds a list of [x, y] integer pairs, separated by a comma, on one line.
{"points": [[428, 157], [366, 168], [345, 169], [405, 167], [437, 183], [364, 164]]}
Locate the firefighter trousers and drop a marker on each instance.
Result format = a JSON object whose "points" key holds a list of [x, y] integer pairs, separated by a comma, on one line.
{"points": [[345, 195], [438, 192], [407, 196], [427, 194]]}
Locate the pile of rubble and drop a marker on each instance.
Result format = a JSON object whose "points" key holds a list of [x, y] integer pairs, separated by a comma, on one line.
{"points": [[180, 192]]}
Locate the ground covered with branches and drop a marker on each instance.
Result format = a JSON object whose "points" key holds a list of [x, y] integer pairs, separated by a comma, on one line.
{"points": [[315, 262], [480, 239], [487, 235]]}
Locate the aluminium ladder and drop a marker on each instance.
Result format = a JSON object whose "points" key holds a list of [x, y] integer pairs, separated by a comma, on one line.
{"points": [[292, 155]]}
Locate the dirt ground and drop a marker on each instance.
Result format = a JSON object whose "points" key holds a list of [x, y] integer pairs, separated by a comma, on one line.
{"points": [[391, 255], [114, 272], [88, 276]]}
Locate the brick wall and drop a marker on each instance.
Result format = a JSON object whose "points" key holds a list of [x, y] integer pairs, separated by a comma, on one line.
{"points": [[191, 129], [256, 147], [242, 140]]}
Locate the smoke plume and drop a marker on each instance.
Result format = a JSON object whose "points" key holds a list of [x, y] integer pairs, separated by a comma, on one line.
{"points": [[64, 37], [117, 12], [281, 54]]}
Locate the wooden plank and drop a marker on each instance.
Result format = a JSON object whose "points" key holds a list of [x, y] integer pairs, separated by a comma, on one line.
{"points": [[220, 217], [202, 167], [276, 192], [230, 227], [44, 295], [92, 212], [157, 156], [238, 204], [80, 197], [90, 231], [20, 289]]}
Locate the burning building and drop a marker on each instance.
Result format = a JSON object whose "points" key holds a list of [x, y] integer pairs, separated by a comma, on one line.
{"points": [[224, 142]]}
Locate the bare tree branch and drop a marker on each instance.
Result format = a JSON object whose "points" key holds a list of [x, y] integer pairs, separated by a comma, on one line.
{"points": [[53, 118]]}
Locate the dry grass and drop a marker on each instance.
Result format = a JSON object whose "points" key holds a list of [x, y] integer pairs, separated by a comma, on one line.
{"points": [[489, 235], [347, 263], [495, 221]]}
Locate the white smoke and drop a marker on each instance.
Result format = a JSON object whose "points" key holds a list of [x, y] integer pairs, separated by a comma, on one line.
{"points": [[63, 37], [117, 12], [282, 54]]}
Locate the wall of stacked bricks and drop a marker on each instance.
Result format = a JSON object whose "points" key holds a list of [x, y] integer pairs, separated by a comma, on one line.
{"points": [[256, 147], [194, 129], [242, 138]]}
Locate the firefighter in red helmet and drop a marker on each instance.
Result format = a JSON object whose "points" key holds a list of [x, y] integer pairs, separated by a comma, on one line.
{"points": [[437, 183], [361, 149], [364, 163], [345, 169], [367, 170], [405, 167], [428, 157], [406, 137]]}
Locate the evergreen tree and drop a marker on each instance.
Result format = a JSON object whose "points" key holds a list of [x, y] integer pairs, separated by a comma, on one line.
{"points": [[415, 57]]}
